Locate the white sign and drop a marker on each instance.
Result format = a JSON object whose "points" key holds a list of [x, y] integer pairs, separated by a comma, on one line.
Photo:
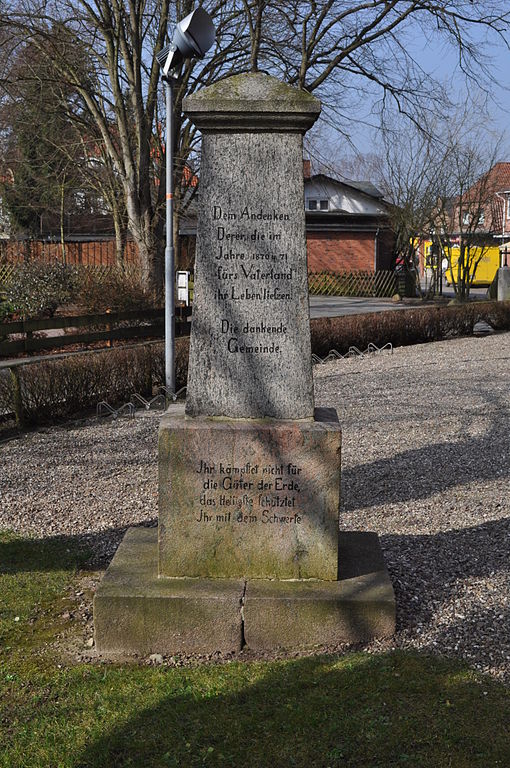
{"points": [[182, 279]]}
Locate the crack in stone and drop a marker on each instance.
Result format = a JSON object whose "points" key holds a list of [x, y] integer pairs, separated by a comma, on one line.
{"points": [[243, 639]]}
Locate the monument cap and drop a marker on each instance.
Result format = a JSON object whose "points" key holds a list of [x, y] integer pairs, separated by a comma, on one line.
{"points": [[252, 101]]}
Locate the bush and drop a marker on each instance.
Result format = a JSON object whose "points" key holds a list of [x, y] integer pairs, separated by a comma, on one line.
{"points": [[113, 289], [57, 389], [36, 289], [6, 310], [404, 327], [181, 363]]}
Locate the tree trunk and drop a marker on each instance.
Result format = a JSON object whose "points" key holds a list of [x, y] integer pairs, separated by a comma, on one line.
{"points": [[62, 233], [120, 236], [147, 232], [151, 255]]}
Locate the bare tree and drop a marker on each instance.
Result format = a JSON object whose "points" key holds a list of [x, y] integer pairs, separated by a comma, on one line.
{"points": [[341, 50], [413, 170], [468, 207], [437, 179]]}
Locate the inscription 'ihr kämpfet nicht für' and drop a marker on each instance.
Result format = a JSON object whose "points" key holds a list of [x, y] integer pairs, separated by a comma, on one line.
{"points": [[250, 493]]}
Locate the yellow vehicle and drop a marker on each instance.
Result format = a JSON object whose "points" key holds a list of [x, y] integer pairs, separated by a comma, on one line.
{"points": [[487, 267]]}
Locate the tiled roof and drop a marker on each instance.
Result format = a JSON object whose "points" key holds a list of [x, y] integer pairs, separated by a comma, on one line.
{"points": [[499, 177], [362, 186]]}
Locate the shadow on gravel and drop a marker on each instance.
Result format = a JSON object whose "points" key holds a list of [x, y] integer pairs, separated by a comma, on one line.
{"points": [[434, 577], [423, 472]]}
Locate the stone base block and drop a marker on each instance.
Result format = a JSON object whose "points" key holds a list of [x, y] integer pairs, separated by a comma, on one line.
{"points": [[504, 284], [135, 612], [249, 498], [298, 614]]}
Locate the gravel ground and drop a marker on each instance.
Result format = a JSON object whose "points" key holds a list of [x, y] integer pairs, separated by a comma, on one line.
{"points": [[425, 464]]}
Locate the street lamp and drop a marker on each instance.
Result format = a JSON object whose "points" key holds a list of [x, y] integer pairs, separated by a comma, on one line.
{"points": [[193, 36]]}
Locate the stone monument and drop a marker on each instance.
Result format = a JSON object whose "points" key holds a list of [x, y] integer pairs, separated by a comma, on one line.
{"points": [[248, 547], [504, 283]]}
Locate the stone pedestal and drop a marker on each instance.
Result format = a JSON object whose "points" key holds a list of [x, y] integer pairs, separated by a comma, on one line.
{"points": [[249, 497], [137, 612], [248, 546], [504, 284]]}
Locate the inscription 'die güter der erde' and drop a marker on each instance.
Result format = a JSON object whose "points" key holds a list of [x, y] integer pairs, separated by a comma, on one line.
{"points": [[251, 493], [251, 265]]}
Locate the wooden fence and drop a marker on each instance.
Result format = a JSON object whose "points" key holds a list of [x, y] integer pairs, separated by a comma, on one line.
{"points": [[108, 328], [379, 284], [102, 272], [92, 253]]}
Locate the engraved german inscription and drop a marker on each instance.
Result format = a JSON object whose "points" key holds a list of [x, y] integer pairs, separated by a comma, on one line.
{"points": [[251, 267], [252, 493]]}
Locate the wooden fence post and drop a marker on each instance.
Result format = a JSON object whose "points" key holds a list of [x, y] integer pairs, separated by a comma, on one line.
{"points": [[17, 399]]}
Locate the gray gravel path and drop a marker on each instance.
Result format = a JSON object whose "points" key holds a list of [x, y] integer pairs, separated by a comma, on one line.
{"points": [[426, 455]]}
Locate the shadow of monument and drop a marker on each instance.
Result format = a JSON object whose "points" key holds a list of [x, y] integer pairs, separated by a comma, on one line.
{"points": [[87, 551], [370, 711], [442, 466]]}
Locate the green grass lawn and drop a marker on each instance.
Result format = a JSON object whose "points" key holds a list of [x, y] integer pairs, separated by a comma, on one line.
{"points": [[397, 709]]}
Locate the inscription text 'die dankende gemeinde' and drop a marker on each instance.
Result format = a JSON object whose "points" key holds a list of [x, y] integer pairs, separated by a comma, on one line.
{"points": [[251, 265], [250, 493]]}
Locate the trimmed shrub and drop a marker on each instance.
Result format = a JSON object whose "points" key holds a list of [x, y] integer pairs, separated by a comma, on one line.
{"points": [[404, 327], [7, 392], [181, 363], [36, 289], [114, 289], [57, 389]]}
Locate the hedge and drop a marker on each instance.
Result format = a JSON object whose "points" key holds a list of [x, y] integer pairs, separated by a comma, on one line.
{"points": [[57, 389], [405, 326]]}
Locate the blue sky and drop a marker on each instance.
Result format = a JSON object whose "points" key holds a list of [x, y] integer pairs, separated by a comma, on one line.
{"points": [[441, 61]]}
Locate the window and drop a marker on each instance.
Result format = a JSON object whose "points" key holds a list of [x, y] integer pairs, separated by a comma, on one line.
{"points": [[317, 205], [508, 207], [481, 219], [466, 218]]}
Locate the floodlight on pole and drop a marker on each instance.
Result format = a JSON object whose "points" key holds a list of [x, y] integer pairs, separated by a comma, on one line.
{"points": [[193, 36]]}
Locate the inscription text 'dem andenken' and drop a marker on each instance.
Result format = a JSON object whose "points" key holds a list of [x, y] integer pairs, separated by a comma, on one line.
{"points": [[251, 265]]}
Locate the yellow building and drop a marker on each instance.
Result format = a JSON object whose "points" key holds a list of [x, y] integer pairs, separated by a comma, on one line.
{"points": [[485, 260]]}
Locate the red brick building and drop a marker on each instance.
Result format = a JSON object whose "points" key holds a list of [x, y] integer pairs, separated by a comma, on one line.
{"points": [[347, 226]]}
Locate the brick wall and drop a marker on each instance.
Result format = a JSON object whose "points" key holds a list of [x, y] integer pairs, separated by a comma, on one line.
{"points": [[340, 251], [348, 251]]}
